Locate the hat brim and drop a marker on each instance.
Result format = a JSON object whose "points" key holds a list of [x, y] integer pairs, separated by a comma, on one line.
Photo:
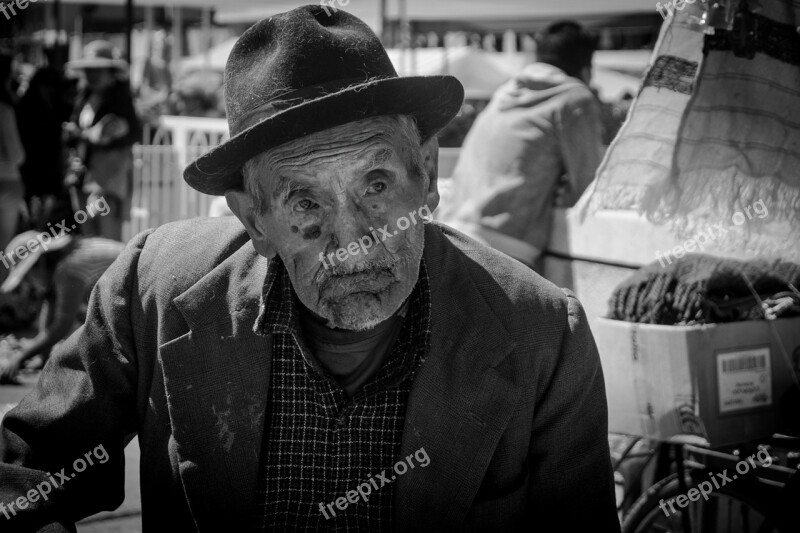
{"points": [[86, 64], [432, 100]]}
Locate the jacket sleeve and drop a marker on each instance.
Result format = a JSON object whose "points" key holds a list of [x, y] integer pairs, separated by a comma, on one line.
{"points": [[62, 448], [571, 477], [580, 133]]}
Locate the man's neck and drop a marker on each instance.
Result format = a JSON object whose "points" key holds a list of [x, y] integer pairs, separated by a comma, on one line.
{"points": [[307, 315]]}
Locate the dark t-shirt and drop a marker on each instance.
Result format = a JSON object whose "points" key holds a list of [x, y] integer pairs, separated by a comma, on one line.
{"points": [[351, 357]]}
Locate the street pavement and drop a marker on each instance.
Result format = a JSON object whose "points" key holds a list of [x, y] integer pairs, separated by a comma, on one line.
{"points": [[125, 519]]}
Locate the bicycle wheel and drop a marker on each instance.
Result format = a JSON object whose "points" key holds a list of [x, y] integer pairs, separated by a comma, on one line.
{"points": [[726, 511]]}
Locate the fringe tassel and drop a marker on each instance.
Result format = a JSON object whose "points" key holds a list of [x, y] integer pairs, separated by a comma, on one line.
{"points": [[720, 196]]}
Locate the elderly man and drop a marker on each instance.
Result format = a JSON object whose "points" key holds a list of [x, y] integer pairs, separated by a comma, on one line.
{"points": [[334, 361]]}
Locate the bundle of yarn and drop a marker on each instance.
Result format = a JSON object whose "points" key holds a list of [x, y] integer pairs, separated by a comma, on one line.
{"points": [[703, 289]]}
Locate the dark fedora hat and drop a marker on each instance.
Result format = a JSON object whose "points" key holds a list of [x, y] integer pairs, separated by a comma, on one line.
{"points": [[305, 71]]}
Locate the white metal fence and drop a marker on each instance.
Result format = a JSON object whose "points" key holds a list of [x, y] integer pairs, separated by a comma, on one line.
{"points": [[159, 193]]}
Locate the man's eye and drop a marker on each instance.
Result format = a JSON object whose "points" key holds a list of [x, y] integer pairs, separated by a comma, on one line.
{"points": [[304, 205], [376, 188]]}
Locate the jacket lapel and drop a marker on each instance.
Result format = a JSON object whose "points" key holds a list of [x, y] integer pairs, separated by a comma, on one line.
{"points": [[462, 398], [216, 378]]}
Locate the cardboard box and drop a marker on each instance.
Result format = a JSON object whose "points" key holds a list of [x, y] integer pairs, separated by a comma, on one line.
{"points": [[724, 382]]}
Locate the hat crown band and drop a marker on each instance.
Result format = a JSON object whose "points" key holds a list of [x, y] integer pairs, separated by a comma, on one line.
{"points": [[292, 98]]}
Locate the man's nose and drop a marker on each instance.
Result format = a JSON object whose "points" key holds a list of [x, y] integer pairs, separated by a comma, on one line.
{"points": [[348, 225]]}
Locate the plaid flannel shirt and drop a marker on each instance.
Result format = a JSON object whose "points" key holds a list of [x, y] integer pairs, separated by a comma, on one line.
{"points": [[318, 443]]}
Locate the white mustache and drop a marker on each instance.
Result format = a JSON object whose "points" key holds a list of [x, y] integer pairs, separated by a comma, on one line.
{"points": [[344, 270]]}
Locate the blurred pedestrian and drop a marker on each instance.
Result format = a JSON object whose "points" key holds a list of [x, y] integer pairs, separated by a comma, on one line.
{"points": [[12, 155], [73, 264], [536, 145], [40, 114], [105, 126], [197, 94]]}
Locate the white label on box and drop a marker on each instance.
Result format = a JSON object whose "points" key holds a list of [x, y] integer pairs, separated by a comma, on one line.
{"points": [[744, 379]]}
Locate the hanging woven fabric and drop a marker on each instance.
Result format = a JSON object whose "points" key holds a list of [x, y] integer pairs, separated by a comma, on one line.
{"points": [[715, 127]]}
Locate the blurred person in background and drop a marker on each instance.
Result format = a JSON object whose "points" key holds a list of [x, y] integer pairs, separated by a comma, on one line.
{"points": [[104, 127], [40, 113], [198, 94], [12, 155], [537, 144], [70, 269], [152, 98]]}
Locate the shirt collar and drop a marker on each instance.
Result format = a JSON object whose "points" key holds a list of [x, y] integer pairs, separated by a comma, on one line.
{"points": [[278, 311]]}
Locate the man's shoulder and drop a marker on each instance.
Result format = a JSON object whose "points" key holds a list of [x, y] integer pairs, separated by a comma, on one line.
{"points": [[181, 253], [212, 234], [508, 286]]}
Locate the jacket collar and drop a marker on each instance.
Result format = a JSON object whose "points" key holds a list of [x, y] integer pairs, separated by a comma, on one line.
{"points": [[463, 396], [217, 374]]}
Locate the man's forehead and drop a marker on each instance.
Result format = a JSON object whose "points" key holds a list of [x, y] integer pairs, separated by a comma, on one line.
{"points": [[354, 159]]}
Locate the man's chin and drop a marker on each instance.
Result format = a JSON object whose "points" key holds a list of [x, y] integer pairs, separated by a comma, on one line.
{"points": [[358, 311]]}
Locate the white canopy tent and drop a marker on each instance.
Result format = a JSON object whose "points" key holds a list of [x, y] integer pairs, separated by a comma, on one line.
{"points": [[232, 11], [481, 72], [245, 11], [419, 9], [369, 10]]}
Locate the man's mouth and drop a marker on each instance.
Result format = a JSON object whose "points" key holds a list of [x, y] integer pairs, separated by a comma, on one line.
{"points": [[373, 281]]}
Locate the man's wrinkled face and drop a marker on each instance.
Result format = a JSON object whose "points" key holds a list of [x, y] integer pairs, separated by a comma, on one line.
{"points": [[328, 190]]}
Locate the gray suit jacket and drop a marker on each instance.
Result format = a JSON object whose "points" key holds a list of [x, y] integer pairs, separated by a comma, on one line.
{"points": [[510, 404]]}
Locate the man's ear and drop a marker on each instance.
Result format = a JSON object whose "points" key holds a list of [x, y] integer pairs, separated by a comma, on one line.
{"points": [[430, 153], [242, 206]]}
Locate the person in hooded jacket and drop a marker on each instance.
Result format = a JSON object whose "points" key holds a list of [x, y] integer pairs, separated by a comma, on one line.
{"points": [[536, 145]]}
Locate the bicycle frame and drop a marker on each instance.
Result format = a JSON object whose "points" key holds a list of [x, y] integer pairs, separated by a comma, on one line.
{"points": [[774, 486]]}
